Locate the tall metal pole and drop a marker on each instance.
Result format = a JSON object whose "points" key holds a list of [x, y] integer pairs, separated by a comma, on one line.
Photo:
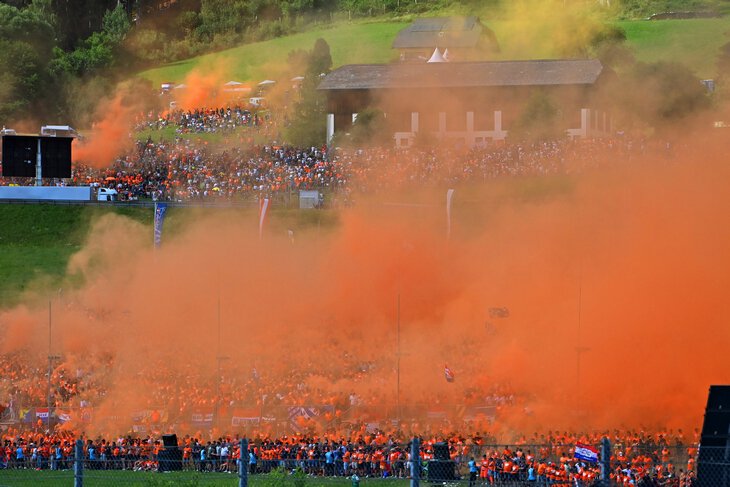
{"points": [[218, 375], [79, 464], [50, 365], [397, 386], [38, 166], [415, 462], [579, 350], [243, 463], [578, 347], [219, 358]]}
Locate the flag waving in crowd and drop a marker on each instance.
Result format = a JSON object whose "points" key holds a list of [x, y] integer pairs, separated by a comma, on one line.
{"points": [[586, 453], [448, 374], [160, 210], [263, 206]]}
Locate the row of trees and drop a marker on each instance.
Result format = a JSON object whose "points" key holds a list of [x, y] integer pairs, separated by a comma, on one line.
{"points": [[48, 46], [59, 55], [52, 49]]}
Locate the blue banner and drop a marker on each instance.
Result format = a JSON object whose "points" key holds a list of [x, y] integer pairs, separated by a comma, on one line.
{"points": [[160, 210]]}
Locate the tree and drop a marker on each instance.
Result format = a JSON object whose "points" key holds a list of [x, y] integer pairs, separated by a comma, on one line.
{"points": [[22, 80], [309, 124], [538, 119], [78, 19], [99, 50], [29, 25], [661, 94]]}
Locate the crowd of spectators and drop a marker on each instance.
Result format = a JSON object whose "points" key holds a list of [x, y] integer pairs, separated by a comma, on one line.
{"points": [[192, 169], [342, 444], [185, 171], [637, 458], [351, 439], [202, 120]]}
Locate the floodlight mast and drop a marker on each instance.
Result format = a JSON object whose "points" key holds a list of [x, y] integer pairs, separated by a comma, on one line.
{"points": [[38, 165]]}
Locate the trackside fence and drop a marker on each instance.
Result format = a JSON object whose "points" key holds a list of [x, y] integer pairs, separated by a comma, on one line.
{"points": [[385, 465]]}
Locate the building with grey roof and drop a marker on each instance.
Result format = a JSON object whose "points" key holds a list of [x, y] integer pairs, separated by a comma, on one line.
{"points": [[466, 39], [468, 103]]}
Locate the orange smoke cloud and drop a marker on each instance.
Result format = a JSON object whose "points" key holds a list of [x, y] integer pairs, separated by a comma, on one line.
{"points": [[626, 263], [204, 87], [111, 133]]}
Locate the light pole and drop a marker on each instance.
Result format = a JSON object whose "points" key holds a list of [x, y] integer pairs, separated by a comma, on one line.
{"points": [[219, 358], [51, 359], [397, 366]]}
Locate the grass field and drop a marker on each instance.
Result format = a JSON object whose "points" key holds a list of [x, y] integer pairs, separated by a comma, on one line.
{"points": [[349, 43], [692, 42], [695, 43], [36, 241], [32, 478]]}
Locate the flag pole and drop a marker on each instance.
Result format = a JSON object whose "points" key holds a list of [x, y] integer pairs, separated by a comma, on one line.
{"points": [[449, 196]]}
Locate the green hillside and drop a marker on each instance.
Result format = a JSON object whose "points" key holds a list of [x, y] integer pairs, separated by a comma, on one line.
{"points": [[36, 242], [692, 42], [349, 43], [695, 43]]}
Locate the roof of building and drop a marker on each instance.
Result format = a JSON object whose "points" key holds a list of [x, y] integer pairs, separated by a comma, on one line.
{"points": [[464, 75], [440, 32]]}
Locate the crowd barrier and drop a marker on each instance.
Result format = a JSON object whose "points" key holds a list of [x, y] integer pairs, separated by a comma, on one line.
{"points": [[171, 467]]}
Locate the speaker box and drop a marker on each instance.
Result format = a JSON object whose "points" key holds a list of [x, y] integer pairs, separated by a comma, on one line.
{"points": [[441, 471], [19, 156], [713, 461], [169, 441], [56, 157], [20, 151], [441, 451]]}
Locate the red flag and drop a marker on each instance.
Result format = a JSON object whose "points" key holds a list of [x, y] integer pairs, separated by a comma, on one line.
{"points": [[448, 374], [263, 206]]}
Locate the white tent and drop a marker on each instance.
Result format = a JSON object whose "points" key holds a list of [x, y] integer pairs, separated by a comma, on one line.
{"points": [[181, 87], [235, 86], [447, 56], [267, 82], [298, 78], [436, 57]]}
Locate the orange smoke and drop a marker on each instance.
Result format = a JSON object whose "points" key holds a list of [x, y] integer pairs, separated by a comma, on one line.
{"points": [[110, 135], [626, 263], [204, 88]]}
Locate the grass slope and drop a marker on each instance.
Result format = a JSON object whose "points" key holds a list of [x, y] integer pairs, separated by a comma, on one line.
{"points": [[349, 43], [693, 42], [36, 242]]}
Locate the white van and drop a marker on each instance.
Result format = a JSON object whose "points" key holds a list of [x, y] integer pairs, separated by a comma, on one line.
{"points": [[106, 194]]}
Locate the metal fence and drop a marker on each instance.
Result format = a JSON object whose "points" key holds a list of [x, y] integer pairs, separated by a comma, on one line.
{"points": [[713, 466], [492, 465]]}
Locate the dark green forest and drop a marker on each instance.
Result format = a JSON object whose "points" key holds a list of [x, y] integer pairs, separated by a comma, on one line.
{"points": [[53, 50]]}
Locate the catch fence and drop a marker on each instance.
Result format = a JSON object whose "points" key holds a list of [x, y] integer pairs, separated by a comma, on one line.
{"points": [[472, 465]]}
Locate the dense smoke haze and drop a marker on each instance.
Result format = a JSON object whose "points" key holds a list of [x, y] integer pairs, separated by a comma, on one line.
{"points": [[628, 262], [614, 279]]}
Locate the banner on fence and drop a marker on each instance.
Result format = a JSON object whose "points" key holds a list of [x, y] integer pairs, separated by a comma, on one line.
{"points": [[298, 415], [26, 415], [63, 416], [245, 416], [150, 416], [202, 417]]}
